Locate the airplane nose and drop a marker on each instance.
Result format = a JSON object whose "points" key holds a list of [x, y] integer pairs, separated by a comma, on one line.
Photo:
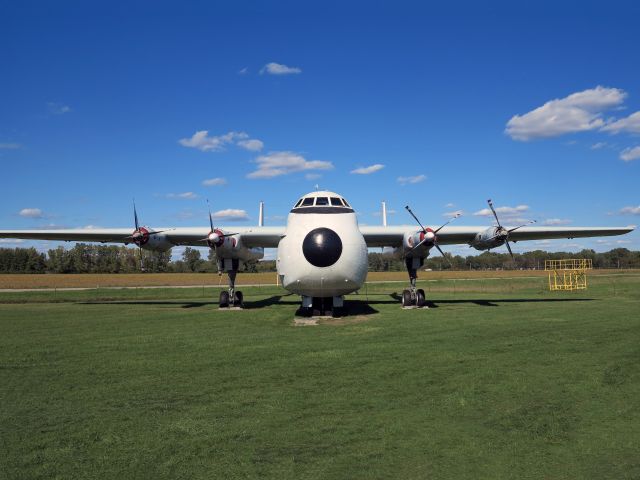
{"points": [[322, 247]]}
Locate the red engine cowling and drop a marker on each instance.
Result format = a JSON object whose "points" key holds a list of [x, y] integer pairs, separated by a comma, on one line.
{"points": [[145, 238]]}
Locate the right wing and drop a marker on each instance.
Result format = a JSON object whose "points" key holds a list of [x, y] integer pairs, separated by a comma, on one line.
{"points": [[266, 237]]}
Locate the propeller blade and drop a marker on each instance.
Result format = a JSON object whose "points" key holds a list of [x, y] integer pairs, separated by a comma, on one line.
{"points": [[210, 217], [509, 248], [141, 262], [494, 212], [447, 223], [415, 218], [135, 215], [523, 225], [442, 253], [418, 245]]}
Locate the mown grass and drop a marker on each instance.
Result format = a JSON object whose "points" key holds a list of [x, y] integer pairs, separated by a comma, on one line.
{"points": [[98, 280], [497, 380]]}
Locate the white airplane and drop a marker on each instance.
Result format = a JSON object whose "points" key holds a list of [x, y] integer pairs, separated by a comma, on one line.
{"points": [[322, 251]]}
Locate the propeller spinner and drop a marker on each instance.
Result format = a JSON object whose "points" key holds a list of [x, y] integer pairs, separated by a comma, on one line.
{"points": [[429, 236]]}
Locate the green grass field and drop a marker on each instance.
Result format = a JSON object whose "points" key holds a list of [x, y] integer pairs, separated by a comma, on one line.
{"points": [[500, 379]]}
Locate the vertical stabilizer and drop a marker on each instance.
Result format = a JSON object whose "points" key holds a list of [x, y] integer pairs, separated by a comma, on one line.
{"points": [[384, 214], [261, 215]]}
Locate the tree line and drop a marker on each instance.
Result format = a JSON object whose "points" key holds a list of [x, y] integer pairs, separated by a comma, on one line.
{"points": [[84, 258]]}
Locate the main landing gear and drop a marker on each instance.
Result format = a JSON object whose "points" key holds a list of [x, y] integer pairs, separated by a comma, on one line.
{"points": [[232, 298], [413, 297]]}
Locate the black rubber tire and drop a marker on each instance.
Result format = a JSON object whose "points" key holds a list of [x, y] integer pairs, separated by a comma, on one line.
{"points": [[238, 299], [420, 299], [406, 298], [224, 299]]}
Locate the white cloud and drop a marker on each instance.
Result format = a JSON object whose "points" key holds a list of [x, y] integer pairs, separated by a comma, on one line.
{"points": [[58, 108], [368, 170], [183, 196], [629, 154], [556, 221], [630, 210], [31, 213], [253, 145], [598, 145], [92, 227], [414, 179], [275, 164], [449, 205], [578, 112], [214, 182], [312, 176], [202, 141], [231, 215], [279, 69], [455, 213], [505, 211], [10, 146], [628, 124], [243, 71]]}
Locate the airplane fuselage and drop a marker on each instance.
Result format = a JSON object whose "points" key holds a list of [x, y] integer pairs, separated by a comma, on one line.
{"points": [[323, 252]]}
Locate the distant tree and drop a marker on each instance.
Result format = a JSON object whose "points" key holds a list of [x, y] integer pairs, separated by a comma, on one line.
{"points": [[192, 259]]}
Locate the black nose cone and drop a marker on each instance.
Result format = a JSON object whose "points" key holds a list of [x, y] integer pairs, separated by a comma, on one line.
{"points": [[322, 247]]}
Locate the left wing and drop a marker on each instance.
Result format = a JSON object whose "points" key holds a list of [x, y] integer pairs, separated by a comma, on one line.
{"points": [[393, 236]]}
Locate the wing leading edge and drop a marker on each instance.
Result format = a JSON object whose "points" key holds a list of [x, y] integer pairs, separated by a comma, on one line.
{"points": [[267, 237], [380, 236]]}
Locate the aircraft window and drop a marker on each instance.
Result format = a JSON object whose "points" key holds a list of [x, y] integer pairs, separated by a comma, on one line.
{"points": [[298, 204], [335, 201], [307, 202], [322, 201], [345, 203]]}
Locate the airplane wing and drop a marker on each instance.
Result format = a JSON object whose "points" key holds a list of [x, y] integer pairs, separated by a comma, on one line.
{"points": [[267, 237], [392, 236]]}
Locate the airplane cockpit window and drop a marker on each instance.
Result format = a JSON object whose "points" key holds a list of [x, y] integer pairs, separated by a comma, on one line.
{"points": [[322, 201], [345, 203], [335, 201], [307, 202], [298, 204]]}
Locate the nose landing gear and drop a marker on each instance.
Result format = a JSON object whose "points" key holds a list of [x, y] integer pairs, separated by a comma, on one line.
{"points": [[322, 307]]}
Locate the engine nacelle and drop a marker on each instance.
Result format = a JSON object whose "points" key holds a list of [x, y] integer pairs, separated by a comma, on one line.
{"points": [[147, 240], [492, 237], [231, 252], [411, 239]]}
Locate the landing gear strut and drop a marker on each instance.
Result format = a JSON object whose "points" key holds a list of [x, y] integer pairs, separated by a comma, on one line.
{"points": [[232, 297], [413, 297]]}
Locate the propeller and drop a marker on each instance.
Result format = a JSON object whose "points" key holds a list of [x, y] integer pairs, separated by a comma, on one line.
{"points": [[215, 237], [502, 232], [430, 235], [140, 235]]}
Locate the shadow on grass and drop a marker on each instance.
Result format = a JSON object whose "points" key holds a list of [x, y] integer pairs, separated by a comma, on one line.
{"points": [[484, 302]]}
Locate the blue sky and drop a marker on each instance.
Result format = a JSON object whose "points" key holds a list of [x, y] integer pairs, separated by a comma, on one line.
{"points": [[531, 105]]}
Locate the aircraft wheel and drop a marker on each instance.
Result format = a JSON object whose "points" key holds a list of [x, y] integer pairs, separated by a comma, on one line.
{"points": [[406, 298], [224, 299], [420, 300], [238, 299]]}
